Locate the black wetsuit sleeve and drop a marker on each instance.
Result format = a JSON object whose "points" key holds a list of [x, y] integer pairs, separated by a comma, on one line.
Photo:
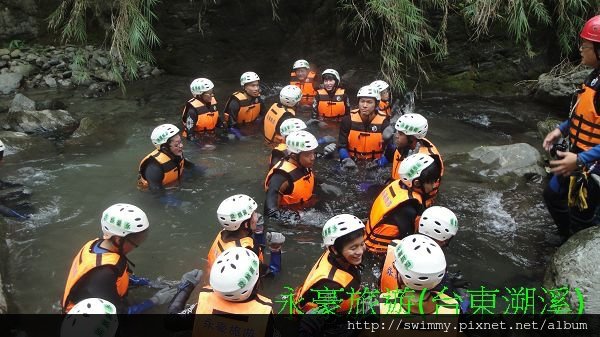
{"points": [[345, 127], [193, 115], [154, 176], [347, 103], [101, 282], [315, 112], [404, 217], [272, 198], [233, 109], [389, 152], [263, 107]]}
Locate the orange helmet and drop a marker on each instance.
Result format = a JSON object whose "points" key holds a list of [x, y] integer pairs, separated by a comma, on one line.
{"points": [[591, 29]]}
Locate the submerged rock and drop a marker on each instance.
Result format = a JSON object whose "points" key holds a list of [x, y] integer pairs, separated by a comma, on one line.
{"points": [[520, 159], [42, 122], [10, 82]]}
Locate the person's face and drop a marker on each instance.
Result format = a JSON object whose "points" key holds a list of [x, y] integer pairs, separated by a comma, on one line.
{"points": [[206, 97], [176, 145], [385, 95], [307, 158], [588, 56], [301, 73], [252, 89], [329, 84], [253, 221], [132, 241], [353, 251], [426, 187], [366, 106], [400, 139]]}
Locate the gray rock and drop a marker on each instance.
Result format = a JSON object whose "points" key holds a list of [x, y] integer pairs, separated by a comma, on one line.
{"points": [[65, 83], [87, 126], [42, 122], [101, 60], [50, 81], [24, 69], [9, 82], [519, 159], [156, 72], [15, 53], [61, 66], [4, 51], [53, 62], [551, 87], [21, 103], [3, 306], [67, 74], [31, 57], [575, 265], [70, 49], [16, 142], [3, 63], [5, 57]]}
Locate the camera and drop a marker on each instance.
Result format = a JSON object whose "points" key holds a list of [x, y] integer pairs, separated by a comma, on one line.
{"points": [[558, 147]]}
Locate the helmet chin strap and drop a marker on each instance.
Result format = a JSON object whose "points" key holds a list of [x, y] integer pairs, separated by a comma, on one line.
{"points": [[120, 250]]}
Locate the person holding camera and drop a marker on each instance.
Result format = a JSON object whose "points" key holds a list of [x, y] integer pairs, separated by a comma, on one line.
{"points": [[572, 194]]}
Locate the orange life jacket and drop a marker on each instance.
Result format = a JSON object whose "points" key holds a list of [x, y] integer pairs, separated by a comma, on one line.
{"points": [[385, 107], [324, 270], [303, 183], [389, 274], [308, 90], [378, 235], [218, 317], [85, 261], [425, 147], [366, 143], [584, 125], [273, 119], [278, 153], [331, 106], [219, 246], [249, 107], [208, 115], [172, 172]]}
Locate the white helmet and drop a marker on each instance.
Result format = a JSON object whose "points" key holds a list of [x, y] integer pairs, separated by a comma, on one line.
{"points": [[420, 262], [235, 210], [123, 219], [200, 86], [339, 226], [411, 167], [301, 64], [438, 223], [412, 125], [2, 147], [234, 274], [162, 133], [90, 317], [380, 85], [291, 125], [368, 91], [290, 95], [301, 141], [331, 72], [248, 77]]}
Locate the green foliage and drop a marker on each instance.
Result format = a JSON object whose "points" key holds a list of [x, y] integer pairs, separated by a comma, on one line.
{"points": [[405, 36], [16, 44], [131, 32]]}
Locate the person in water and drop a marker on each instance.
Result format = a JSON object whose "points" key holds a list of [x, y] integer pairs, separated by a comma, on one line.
{"points": [[200, 116], [246, 105], [573, 192]]}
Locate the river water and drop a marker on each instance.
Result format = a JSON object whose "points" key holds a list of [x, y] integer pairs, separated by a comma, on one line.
{"points": [[505, 236]]}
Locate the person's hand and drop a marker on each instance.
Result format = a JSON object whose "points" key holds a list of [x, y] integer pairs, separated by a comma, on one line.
{"points": [[332, 190], [236, 133], [275, 240], [138, 281], [551, 138], [191, 277], [565, 165], [329, 149], [326, 140], [349, 164], [163, 296], [388, 133], [373, 165]]}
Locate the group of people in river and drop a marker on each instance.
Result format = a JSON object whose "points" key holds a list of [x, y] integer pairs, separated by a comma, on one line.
{"points": [[404, 235]]}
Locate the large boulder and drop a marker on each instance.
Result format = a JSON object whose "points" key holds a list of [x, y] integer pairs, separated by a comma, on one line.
{"points": [[44, 122], [16, 142], [21, 103], [520, 159], [17, 19], [552, 88], [575, 265], [10, 82]]}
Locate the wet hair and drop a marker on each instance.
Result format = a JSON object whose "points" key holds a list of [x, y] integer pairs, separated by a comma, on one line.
{"points": [[431, 173], [344, 239]]}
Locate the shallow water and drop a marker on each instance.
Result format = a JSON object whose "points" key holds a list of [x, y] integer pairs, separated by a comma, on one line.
{"points": [[504, 240]]}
